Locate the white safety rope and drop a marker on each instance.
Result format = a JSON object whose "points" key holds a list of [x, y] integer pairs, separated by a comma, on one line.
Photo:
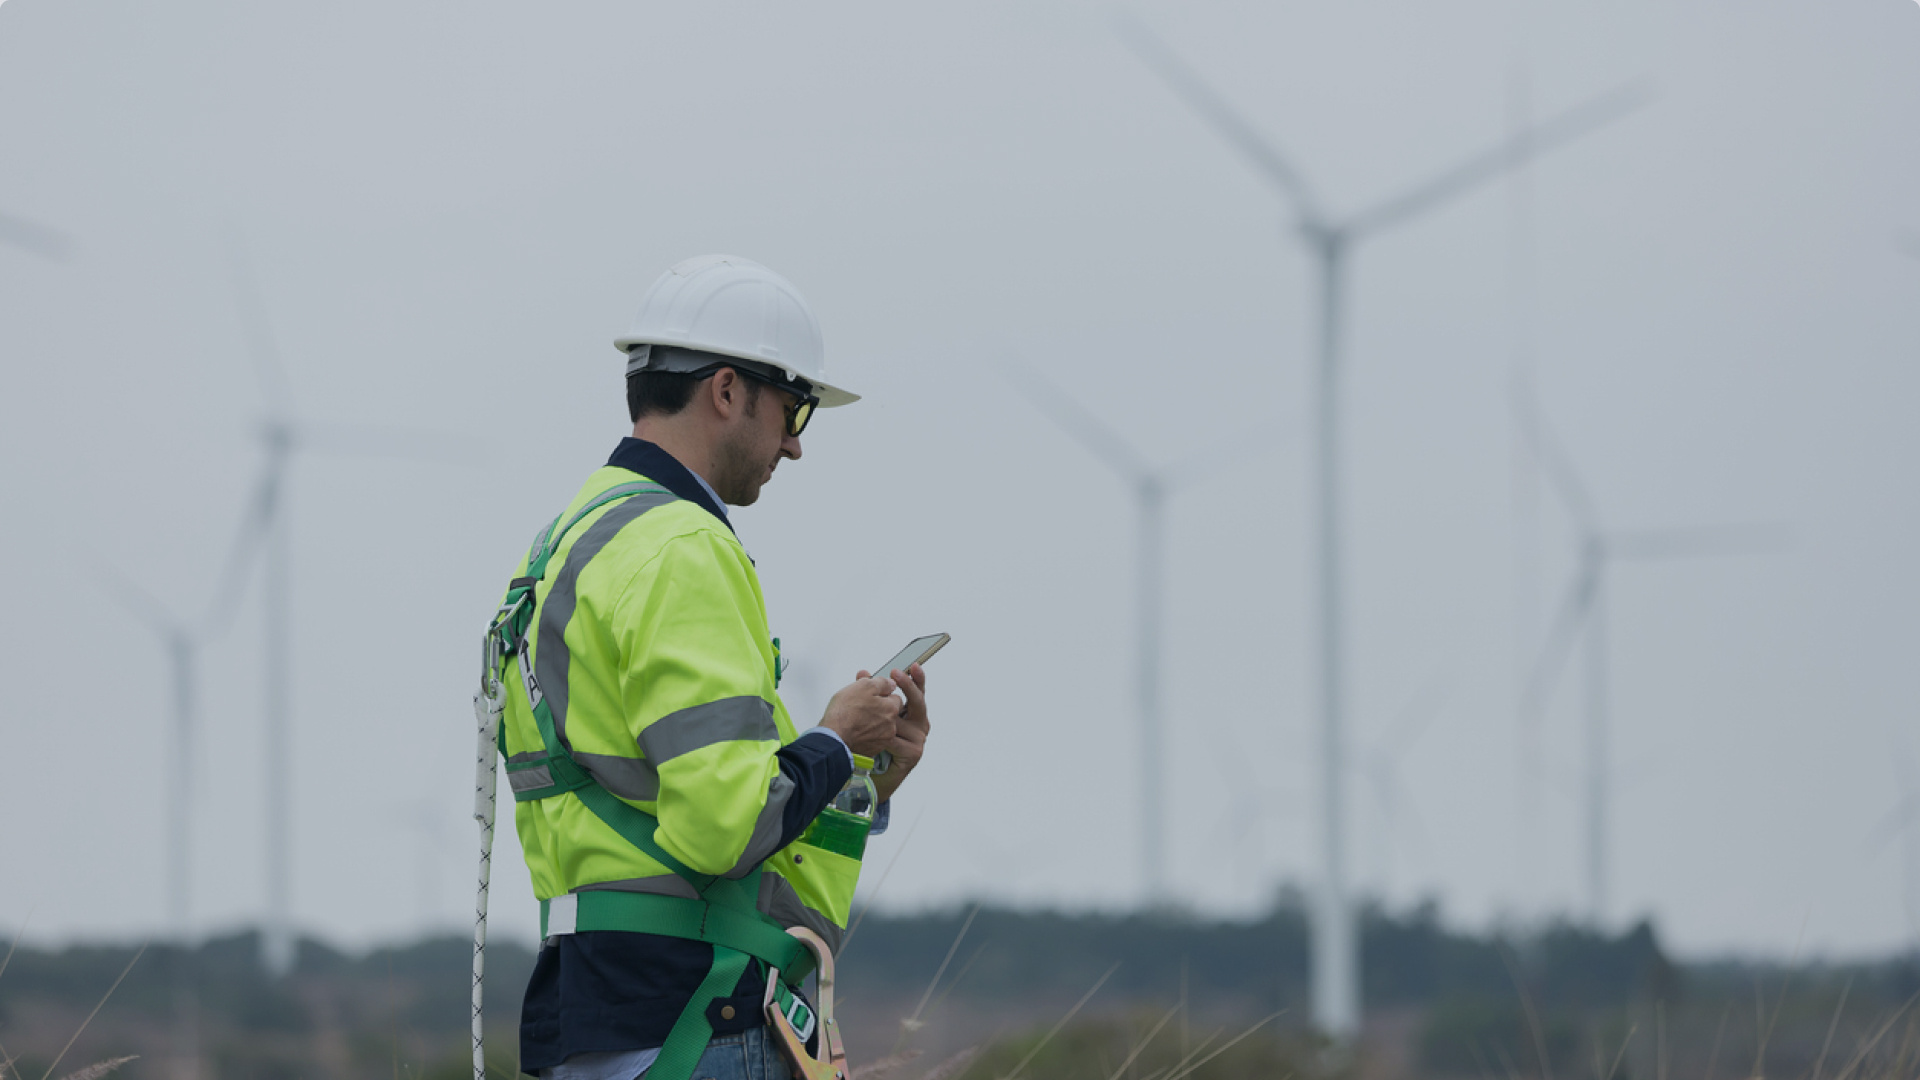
{"points": [[488, 703]]}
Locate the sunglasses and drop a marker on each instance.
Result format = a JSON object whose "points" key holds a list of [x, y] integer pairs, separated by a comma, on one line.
{"points": [[804, 400]]}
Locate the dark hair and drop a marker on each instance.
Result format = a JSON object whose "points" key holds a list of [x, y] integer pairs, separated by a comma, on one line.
{"points": [[665, 393]]}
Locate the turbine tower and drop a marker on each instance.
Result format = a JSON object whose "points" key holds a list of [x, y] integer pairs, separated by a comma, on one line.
{"points": [[1335, 952], [181, 643], [1583, 609]]}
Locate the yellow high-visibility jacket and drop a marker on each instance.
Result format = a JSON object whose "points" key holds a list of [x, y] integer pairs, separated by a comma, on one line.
{"points": [[650, 644]]}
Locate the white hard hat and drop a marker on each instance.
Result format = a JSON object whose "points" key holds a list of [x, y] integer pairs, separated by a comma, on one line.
{"points": [[733, 307]]}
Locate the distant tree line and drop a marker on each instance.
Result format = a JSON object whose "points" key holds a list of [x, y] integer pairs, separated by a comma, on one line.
{"points": [[1459, 1004]]}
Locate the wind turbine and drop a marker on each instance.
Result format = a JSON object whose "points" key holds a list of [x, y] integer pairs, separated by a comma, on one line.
{"points": [[1381, 766], [1583, 609], [1149, 488], [282, 438], [1336, 940], [181, 639]]}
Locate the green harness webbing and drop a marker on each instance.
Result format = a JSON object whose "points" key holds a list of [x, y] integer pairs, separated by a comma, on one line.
{"points": [[726, 915]]}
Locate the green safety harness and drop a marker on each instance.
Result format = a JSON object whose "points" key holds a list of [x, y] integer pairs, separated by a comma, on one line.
{"points": [[726, 915]]}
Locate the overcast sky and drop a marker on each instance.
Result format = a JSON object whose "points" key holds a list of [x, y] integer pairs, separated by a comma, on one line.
{"points": [[450, 210]]}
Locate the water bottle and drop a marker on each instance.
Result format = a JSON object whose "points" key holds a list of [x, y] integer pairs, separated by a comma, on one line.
{"points": [[843, 826]]}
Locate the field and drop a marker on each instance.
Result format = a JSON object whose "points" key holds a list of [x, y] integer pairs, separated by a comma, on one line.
{"points": [[990, 994]]}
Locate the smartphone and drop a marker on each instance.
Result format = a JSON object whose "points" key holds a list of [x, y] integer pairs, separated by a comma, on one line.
{"points": [[918, 651]]}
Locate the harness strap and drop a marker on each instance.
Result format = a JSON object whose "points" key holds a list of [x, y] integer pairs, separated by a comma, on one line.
{"points": [[688, 1040], [727, 916], [674, 916]]}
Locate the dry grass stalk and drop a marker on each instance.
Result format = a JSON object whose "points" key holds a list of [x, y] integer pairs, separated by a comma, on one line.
{"points": [[1820, 1062], [1866, 1049], [1533, 1017], [98, 1069], [1713, 1059], [1142, 1044], [948, 989], [1071, 1013], [913, 1023], [1617, 1058], [951, 1068], [1224, 1047], [884, 874], [95, 1012], [885, 1066], [1168, 1074]]}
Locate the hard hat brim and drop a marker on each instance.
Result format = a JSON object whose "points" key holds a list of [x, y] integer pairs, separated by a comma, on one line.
{"points": [[831, 396]]}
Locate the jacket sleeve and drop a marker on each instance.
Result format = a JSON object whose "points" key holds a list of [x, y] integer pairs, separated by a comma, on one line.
{"points": [[697, 691]]}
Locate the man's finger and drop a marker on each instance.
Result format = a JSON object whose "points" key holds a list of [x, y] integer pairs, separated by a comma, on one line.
{"points": [[909, 686]]}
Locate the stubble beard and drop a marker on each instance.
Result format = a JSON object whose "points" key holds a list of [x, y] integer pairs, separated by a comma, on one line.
{"points": [[738, 469]]}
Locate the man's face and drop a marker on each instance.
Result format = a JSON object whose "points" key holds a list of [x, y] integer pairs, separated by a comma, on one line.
{"points": [[754, 444]]}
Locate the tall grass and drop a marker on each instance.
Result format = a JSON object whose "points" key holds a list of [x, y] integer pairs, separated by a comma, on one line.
{"points": [[91, 1072]]}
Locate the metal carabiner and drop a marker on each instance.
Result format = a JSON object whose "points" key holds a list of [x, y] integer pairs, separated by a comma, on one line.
{"points": [[831, 1063]]}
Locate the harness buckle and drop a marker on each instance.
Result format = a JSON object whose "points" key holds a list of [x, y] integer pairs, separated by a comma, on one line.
{"points": [[831, 1061]]}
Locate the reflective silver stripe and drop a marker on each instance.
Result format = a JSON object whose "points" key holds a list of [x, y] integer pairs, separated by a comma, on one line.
{"points": [[562, 915], [531, 755], [552, 655], [766, 829], [749, 717], [778, 900], [629, 778], [530, 778], [663, 885]]}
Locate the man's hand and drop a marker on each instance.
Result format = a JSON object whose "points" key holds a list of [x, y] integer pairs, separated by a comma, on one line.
{"points": [[863, 714], [910, 730]]}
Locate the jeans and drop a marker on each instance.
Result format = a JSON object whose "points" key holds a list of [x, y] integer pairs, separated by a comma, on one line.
{"points": [[747, 1055], [750, 1055]]}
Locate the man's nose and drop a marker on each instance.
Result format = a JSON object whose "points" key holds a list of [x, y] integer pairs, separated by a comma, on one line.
{"points": [[790, 447]]}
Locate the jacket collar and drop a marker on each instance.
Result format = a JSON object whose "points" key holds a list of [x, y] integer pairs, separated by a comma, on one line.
{"points": [[650, 461]]}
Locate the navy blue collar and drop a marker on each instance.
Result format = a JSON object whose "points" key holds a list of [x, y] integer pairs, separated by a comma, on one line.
{"points": [[647, 459]]}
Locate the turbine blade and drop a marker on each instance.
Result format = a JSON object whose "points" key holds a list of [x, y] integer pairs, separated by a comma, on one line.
{"points": [[1418, 714], [249, 538], [1195, 468], [138, 602], [1552, 456], [1069, 416], [1904, 815], [256, 326], [1213, 108], [32, 236], [1563, 129], [373, 440], [1554, 653], [1705, 541]]}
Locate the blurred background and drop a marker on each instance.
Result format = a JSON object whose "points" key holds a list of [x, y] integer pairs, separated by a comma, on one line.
{"points": [[307, 314]]}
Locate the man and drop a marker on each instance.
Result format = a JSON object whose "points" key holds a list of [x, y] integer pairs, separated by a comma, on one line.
{"points": [[655, 769]]}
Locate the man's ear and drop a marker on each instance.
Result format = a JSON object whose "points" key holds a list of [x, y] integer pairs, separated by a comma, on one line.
{"points": [[725, 392]]}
